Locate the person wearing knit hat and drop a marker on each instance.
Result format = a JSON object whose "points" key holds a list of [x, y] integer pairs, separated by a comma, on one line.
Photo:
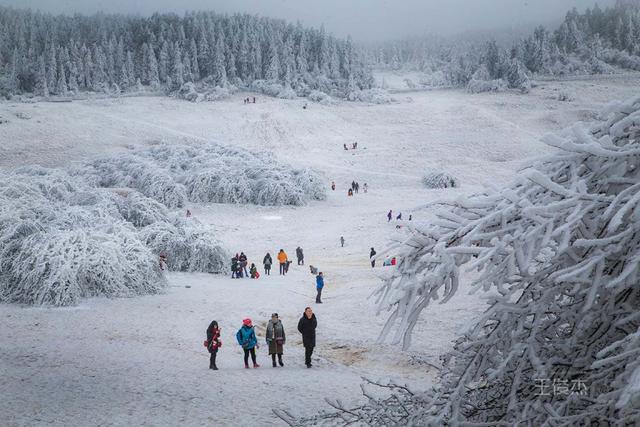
{"points": [[275, 338], [246, 337]]}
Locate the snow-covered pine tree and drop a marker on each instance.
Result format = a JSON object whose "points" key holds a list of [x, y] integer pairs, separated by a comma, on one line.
{"points": [[42, 88], [559, 250]]}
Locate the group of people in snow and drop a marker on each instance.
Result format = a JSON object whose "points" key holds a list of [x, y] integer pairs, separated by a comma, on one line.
{"points": [[398, 217], [355, 188], [247, 100], [239, 264], [275, 338], [354, 146]]}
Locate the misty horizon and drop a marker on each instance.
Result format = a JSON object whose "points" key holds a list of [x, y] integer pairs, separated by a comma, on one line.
{"points": [[364, 21]]}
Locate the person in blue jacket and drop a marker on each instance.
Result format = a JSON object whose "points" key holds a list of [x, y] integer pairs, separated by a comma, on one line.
{"points": [[246, 337], [319, 286]]}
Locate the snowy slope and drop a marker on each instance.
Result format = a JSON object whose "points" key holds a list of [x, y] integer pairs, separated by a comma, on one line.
{"points": [[141, 360]]}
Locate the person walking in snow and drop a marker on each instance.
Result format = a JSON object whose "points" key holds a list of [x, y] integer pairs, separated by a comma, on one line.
{"points": [[300, 255], [282, 259], [267, 262], [353, 185], [389, 215], [349, 192], [307, 327], [243, 264], [188, 213], [246, 337], [213, 343], [399, 217], [275, 339], [371, 255], [342, 241], [357, 187], [333, 185], [319, 286], [365, 187], [253, 271], [234, 267], [345, 147]]}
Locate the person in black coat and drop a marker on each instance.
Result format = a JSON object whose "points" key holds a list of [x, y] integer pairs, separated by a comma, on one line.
{"points": [[371, 255], [213, 343], [307, 327]]}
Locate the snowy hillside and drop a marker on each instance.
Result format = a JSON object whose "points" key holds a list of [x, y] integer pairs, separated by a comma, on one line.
{"points": [[141, 360]]}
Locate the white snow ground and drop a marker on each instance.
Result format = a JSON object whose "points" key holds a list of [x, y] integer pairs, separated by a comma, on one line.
{"points": [[140, 361]]}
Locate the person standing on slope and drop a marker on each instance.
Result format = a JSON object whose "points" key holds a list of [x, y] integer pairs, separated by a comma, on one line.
{"points": [[342, 241], [275, 339], [282, 259], [371, 255], [243, 264], [319, 286], [389, 215], [246, 337], [213, 343], [234, 267], [300, 255], [267, 262], [307, 327], [253, 271]]}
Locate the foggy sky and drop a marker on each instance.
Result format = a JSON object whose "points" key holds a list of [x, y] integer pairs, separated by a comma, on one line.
{"points": [[362, 19]]}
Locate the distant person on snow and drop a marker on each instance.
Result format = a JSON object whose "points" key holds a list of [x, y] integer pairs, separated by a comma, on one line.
{"points": [[342, 241], [253, 271], [349, 192], [410, 217], [365, 187], [254, 99], [319, 286], [357, 187], [307, 327], [333, 185], [287, 265], [282, 259], [267, 262], [313, 270], [275, 338], [213, 343], [399, 217], [188, 213], [234, 267], [371, 255], [300, 255], [246, 337], [353, 185], [354, 145], [243, 264], [345, 146], [389, 216]]}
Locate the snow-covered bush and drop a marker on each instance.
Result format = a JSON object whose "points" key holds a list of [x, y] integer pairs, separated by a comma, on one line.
{"points": [[267, 87], [622, 59], [188, 92], [287, 93], [372, 96], [206, 173], [189, 246], [437, 179], [320, 97], [482, 82], [564, 96], [63, 239], [218, 93], [559, 250]]}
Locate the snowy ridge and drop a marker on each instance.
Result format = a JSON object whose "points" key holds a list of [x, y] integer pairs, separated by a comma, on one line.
{"points": [[560, 251], [207, 173], [62, 240]]}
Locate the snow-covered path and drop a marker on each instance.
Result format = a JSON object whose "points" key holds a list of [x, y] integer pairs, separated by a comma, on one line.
{"points": [[141, 361]]}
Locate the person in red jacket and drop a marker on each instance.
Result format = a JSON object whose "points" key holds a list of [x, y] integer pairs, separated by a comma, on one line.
{"points": [[213, 343]]}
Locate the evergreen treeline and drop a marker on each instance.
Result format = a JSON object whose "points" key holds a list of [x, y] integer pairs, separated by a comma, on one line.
{"points": [[584, 43], [45, 54]]}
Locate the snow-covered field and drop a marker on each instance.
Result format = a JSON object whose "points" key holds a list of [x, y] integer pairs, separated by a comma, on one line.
{"points": [[141, 361]]}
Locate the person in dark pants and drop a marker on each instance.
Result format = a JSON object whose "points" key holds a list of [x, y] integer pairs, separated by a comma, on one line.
{"points": [[246, 337], [300, 255], [267, 261], [319, 286], [243, 264], [282, 259], [371, 255], [307, 327], [276, 339], [213, 343]]}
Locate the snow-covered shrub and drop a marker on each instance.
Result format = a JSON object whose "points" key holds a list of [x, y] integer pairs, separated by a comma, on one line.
{"points": [[188, 92], [320, 97], [207, 173], [218, 93], [140, 210], [559, 250], [372, 96], [188, 245], [517, 77], [267, 87], [481, 82], [436, 179], [564, 96], [621, 59], [287, 93], [436, 79]]}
